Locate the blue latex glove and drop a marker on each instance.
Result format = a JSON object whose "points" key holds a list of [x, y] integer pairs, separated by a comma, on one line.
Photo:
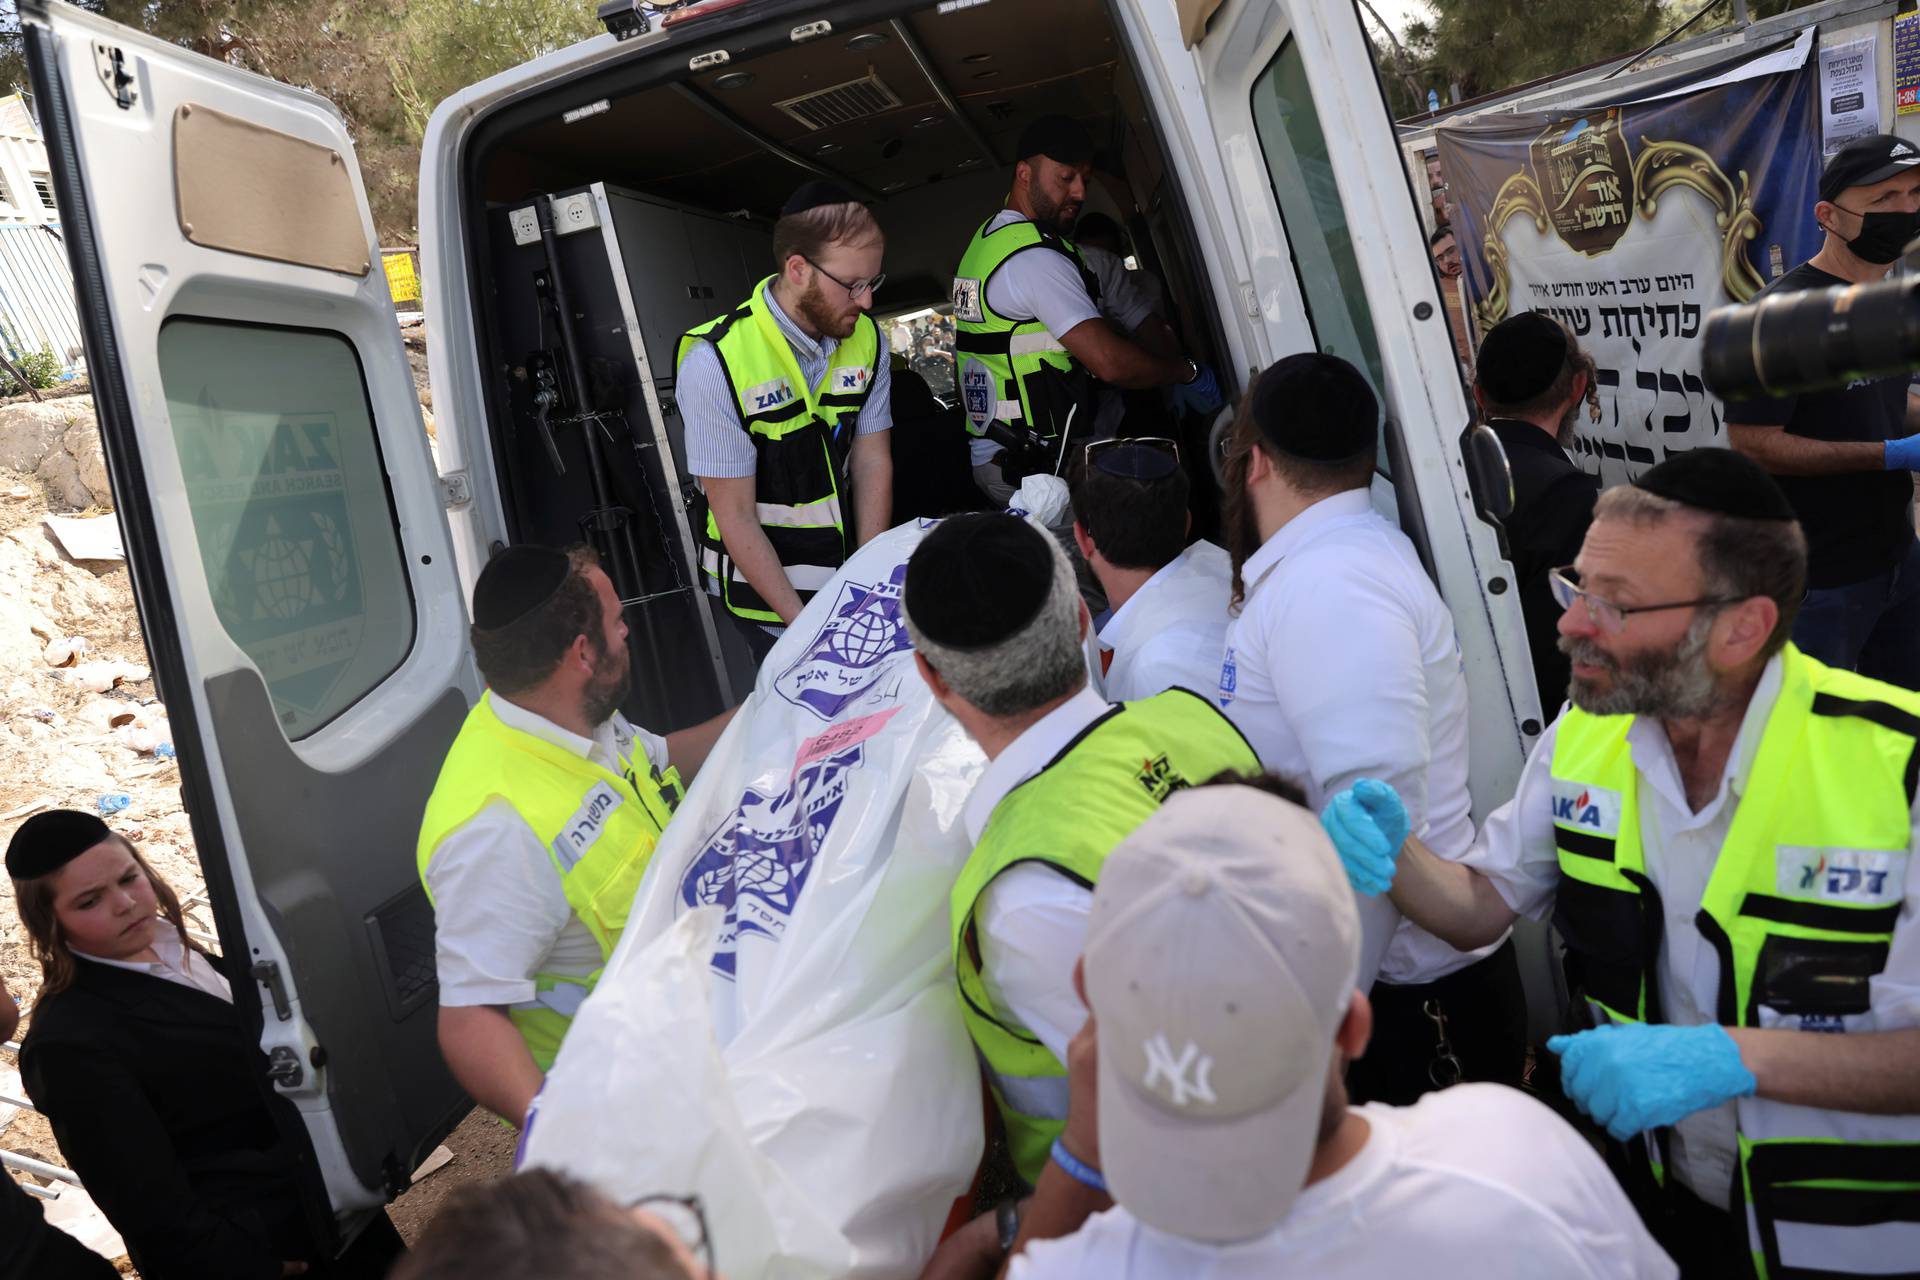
{"points": [[1904, 454], [1367, 824], [1201, 396], [1632, 1077]]}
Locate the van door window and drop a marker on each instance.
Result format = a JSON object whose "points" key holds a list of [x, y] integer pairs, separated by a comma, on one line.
{"points": [[1316, 222], [291, 509], [923, 338]]}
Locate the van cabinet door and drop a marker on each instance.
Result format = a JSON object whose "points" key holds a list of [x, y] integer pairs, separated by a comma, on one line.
{"points": [[288, 552], [1277, 126]]}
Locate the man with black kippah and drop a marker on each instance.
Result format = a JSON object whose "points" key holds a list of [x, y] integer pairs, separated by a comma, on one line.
{"points": [[1531, 381], [1342, 665], [543, 820], [1032, 339], [1846, 456], [1721, 829], [997, 625], [786, 399], [1167, 625]]}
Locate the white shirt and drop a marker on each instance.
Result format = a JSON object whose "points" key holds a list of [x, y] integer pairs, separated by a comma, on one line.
{"points": [[1343, 665], [1516, 851], [498, 910], [1173, 630], [1030, 919], [1039, 283], [1476, 1181], [178, 964]]}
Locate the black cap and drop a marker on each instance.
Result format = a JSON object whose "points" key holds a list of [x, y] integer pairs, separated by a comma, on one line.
{"points": [[978, 579], [815, 194], [1317, 407], [516, 582], [1520, 357], [48, 841], [1720, 481], [1141, 463], [1058, 138], [1865, 161]]}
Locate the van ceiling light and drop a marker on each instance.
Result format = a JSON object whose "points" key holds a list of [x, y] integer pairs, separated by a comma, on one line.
{"points": [[841, 103], [988, 74], [733, 80], [977, 57], [926, 122], [826, 148], [867, 40]]}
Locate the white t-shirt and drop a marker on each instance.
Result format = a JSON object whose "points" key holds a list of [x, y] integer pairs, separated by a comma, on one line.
{"points": [[1516, 851], [1037, 283], [1172, 631], [1342, 664], [1476, 1181], [498, 910], [1030, 919]]}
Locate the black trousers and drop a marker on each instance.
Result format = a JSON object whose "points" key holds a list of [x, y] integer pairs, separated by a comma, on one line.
{"points": [[1706, 1243], [1486, 1027]]}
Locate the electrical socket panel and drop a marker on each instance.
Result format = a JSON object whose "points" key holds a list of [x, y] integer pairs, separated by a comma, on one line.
{"points": [[526, 228], [574, 213]]}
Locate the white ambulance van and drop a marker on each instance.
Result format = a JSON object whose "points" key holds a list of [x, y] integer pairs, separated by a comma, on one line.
{"points": [[302, 563]]}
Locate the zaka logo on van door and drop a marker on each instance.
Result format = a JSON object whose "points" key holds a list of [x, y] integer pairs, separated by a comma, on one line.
{"points": [[851, 652], [1584, 170], [756, 864]]}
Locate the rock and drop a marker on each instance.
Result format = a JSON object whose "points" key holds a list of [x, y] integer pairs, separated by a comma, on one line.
{"points": [[29, 430], [75, 470]]}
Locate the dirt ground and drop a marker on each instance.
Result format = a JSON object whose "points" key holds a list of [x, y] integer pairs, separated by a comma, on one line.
{"points": [[64, 745]]}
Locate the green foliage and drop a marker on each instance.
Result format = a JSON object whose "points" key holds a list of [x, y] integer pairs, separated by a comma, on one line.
{"points": [[442, 46], [40, 368]]}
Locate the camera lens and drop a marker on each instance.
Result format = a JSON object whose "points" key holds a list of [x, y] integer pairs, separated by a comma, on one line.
{"points": [[1792, 342]]}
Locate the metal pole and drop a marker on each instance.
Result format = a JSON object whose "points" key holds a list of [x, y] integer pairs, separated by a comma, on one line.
{"points": [[39, 1168]]}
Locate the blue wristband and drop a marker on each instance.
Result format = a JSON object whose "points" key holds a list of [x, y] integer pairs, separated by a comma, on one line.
{"points": [[1084, 1174]]}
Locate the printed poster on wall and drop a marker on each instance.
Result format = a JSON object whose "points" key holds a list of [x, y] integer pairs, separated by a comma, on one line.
{"points": [[1849, 93], [1629, 222], [1906, 63]]}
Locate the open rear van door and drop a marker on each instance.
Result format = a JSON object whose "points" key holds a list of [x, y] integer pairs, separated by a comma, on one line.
{"points": [[1274, 116], [288, 552]]}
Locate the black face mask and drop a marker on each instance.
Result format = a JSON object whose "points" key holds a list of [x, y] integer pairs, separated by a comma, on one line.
{"points": [[1882, 235]]}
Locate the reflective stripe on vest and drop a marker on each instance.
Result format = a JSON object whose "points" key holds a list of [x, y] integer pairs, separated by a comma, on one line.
{"points": [[1069, 816], [999, 355], [802, 436], [1800, 907], [599, 829]]}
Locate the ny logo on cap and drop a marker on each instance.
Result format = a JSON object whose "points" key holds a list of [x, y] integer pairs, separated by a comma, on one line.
{"points": [[1161, 1064]]}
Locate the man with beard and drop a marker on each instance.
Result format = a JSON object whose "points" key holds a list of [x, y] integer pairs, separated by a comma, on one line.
{"points": [[785, 400], [1846, 456], [1530, 384], [1343, 664], [1032, 341], [545, 815], [1721, 829]]}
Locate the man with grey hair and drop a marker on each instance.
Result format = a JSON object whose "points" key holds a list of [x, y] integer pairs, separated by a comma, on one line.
{"points": [[997, 625], [1721, 829]]}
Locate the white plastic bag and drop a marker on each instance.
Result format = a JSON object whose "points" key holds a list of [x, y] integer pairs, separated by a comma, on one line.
{"points": [[777, 1031]]}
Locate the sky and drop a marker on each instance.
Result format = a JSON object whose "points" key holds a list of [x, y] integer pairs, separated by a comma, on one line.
{"points": [[1397, 12]]}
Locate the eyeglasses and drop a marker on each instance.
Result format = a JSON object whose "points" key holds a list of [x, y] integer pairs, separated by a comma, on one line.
{"points": [[1161, 444], [687, 1218], [858, 289], [1607, 615]]}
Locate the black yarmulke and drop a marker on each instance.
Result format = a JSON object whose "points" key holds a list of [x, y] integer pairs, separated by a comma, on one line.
{"points": [[1720, 481], [812, 195], [515, 583], [977, 580], [48, 841], [1520, 357], [1059, 138], [1143, 463], [1317, 407]]}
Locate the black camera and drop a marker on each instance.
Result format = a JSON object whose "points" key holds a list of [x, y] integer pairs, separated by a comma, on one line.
{"points": [[625, 19], [1816, 338]]}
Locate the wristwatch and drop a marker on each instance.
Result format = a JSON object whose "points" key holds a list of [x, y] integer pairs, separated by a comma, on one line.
{"points": [[1006, 1216], [1193, 372]]}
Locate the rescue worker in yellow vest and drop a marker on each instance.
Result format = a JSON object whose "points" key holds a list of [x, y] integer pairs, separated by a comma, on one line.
{"points": [[785, 405], [1722, 830], [1030, 335], [998, 626], [543, 820]]}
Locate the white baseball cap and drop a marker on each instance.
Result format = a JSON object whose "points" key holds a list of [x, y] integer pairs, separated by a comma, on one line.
{"points": [[1220, 962]]}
